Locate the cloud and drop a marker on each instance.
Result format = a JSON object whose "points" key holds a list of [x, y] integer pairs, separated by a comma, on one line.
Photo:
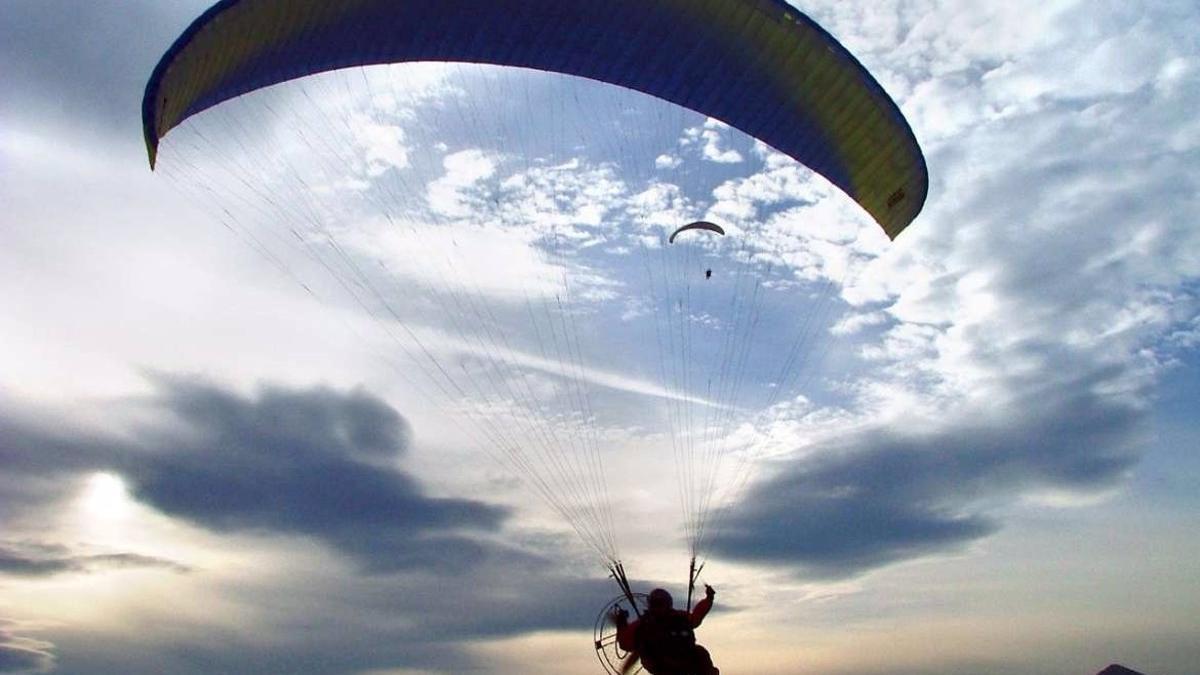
{"points": [[23, 654], [64, 58], [31, 559], [334, 622], [713, 135], [35, 448], [595, 376], [660, 209], [316, 463], [313, 463], [456, 193], [880, 494], [428, 623], [853, 323], [569, 200], [666, 161], [1023, 318], [382, 144], [414, 253], [1026, 315], [506, 235]]}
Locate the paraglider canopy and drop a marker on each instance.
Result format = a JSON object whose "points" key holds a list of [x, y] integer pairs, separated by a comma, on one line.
{"points": [[698, 225], [760, 66]]}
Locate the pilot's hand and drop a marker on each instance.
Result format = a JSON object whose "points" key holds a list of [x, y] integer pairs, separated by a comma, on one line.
{"points": [[619, 616], [709, 592]]}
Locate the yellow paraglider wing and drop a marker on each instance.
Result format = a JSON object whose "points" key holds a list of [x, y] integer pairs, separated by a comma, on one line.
{"points": [[758, 65]]}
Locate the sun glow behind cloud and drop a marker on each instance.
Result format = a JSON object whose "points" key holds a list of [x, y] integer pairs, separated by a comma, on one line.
{"points": [[105, 499]]}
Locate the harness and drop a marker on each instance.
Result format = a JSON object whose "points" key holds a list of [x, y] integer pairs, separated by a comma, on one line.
{"points": [[666, 643]]}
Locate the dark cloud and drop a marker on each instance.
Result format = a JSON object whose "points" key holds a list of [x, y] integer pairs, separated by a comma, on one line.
{"points": [[35, 560], [50, 449], [43, 457], [881, 496], [425, 619], [520, 595], [316, 463], [23, 654], [85, 62]]}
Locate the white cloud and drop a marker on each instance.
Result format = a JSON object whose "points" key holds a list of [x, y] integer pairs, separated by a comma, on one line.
{"points": [[853, 323], [383, 145], [494, 355], [667, 161], [712, 136], [1186, 336], [460, 257], [792, 218], [660, 209], [458, 192], [1053, 248]]}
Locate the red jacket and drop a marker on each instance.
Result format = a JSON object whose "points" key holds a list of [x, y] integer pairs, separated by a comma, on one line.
{"points": [[627, 634]]}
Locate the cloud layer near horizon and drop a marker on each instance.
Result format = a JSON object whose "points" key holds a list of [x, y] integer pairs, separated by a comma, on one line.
{"points": [[879, 495], [317, 464]]}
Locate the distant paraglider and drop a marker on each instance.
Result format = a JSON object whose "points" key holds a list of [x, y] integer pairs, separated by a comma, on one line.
{"points": [[702, 225], [697, 225]]}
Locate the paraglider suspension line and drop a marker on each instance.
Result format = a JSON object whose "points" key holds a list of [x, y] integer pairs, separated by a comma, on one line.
{"points": [[618, 573], [693, 574]]}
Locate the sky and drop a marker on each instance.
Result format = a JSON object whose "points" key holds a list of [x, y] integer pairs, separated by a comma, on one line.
{"points": [[376, 370]]}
